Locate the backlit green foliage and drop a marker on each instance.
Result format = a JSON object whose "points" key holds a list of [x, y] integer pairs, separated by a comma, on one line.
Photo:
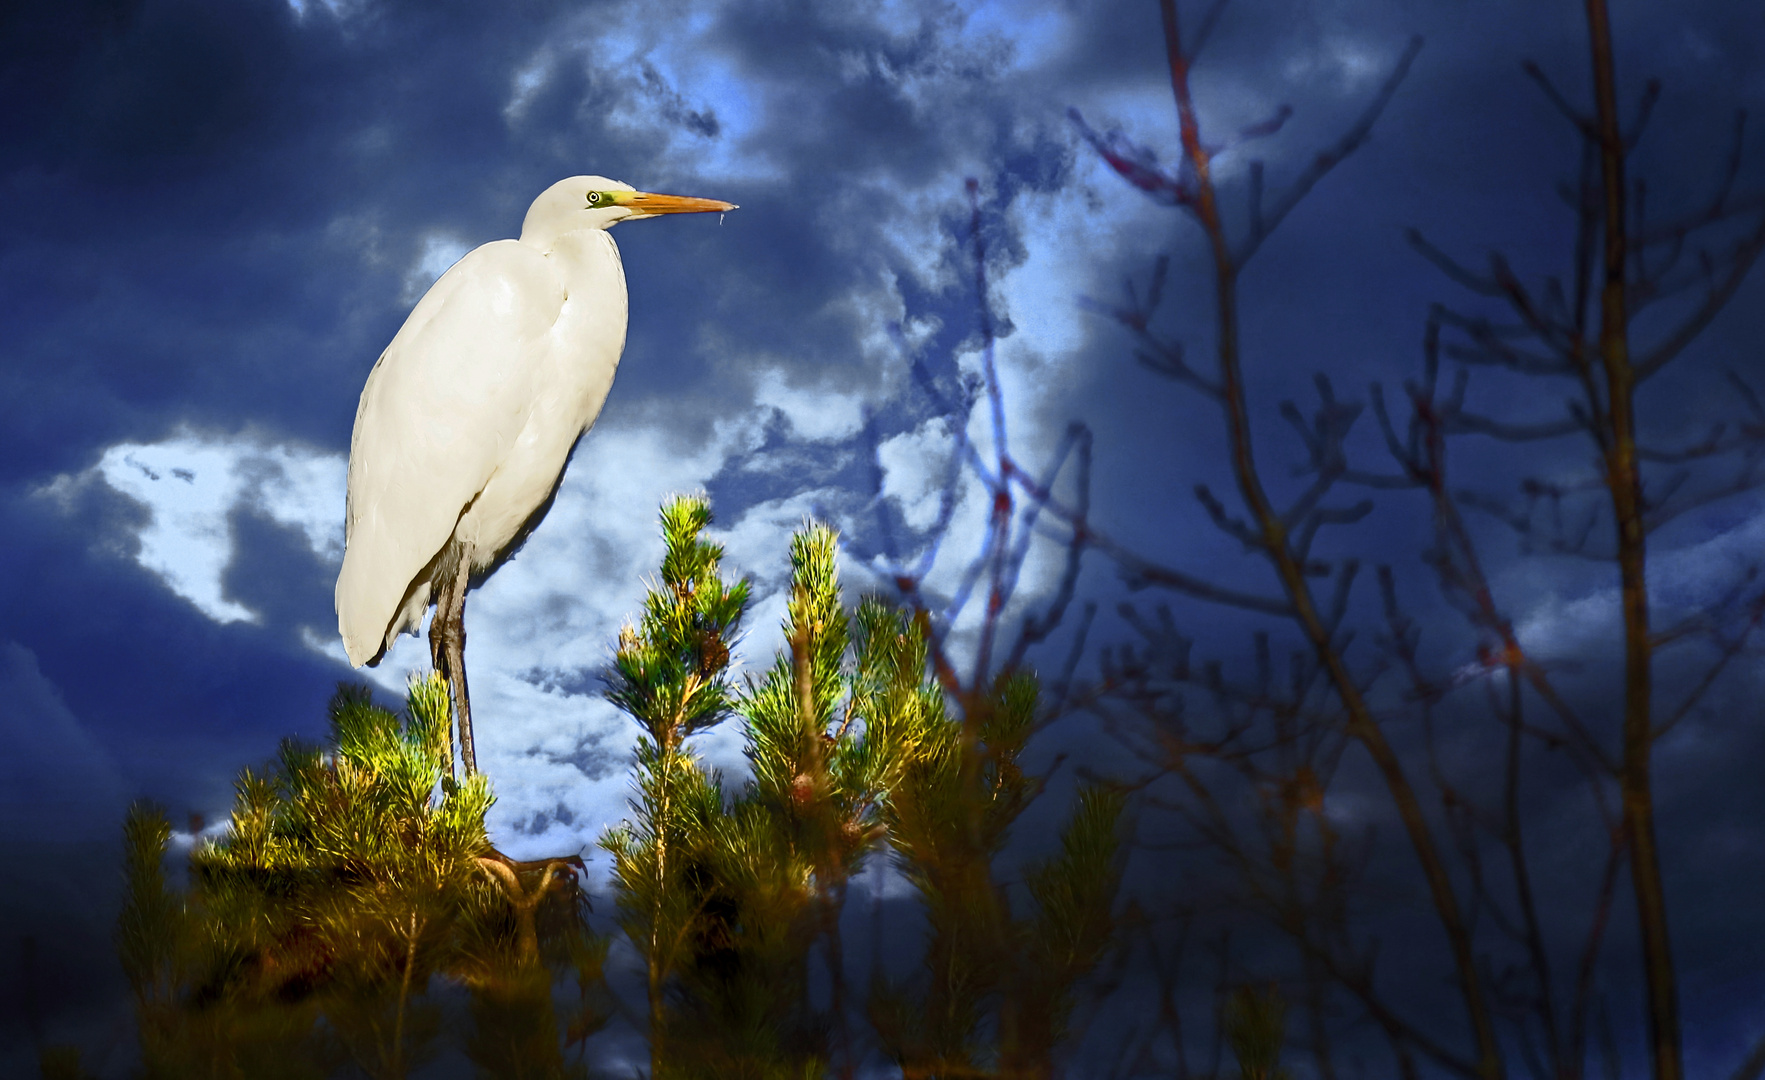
{"points": [[670, 675], [1255, 1025], [997, 985], [313, 927], [735, 899], [670, 670], [829, 728], [352, 881], [350, 870]]}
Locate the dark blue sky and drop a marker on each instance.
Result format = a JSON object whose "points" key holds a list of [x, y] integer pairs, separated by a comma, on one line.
{"points": [[213, 217]]}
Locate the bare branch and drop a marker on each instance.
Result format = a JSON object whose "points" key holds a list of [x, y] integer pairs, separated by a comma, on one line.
{"points": [[1036, 629], [1645, 108], [1591, 949], [1472, 423], [1750, 477], [1062, 688], [1339, 600], [1742, 258], [1710, 445], [1140, 573], [1747, 393], [1330, 158], [1753, 1065], [1499, 354], [1563, 338], [1228, 524], [1449, 266], [1722, 204], [1729, 649], [1257, 226], [1582, 123], [1339, 515], [1205, 30]]}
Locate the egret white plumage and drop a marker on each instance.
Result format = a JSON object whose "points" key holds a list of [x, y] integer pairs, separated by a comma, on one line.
{"points": [[469, 418]]}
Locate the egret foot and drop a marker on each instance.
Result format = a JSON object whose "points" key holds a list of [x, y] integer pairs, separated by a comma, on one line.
{"points": [[525, 883]]}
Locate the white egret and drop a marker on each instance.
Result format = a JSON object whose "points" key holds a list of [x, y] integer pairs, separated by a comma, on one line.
{"points": [[470, 416]]}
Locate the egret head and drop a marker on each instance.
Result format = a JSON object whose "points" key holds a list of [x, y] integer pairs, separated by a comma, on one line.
{"points": [[595, 202]]}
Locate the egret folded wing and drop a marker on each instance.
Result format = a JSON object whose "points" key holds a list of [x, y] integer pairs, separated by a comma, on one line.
{"points": [[442, 407]]}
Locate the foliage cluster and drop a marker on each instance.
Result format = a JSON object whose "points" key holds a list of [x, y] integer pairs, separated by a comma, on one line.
{"points": [[352, 882], [348, 882], [736, 900]]}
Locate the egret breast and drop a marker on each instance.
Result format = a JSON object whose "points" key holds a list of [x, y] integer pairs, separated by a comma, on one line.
{"points": [[580, 356]]}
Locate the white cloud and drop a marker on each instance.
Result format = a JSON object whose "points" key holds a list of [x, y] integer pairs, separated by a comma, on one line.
{"points": [[1037, 33], [191, 484], [360, 234], [819, 415], [666, 80], [1683, 578], [440, 250], [915, 467], [546, 620], [1062, 239], [885, 324], [528, 79], [1345, 63], [338, 9], [541, 630]]}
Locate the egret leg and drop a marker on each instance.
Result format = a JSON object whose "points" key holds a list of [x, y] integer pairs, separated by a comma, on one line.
{"points": [[447, 651]]}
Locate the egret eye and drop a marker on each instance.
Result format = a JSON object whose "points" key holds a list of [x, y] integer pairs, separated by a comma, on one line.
{"points": [[594, 198]]}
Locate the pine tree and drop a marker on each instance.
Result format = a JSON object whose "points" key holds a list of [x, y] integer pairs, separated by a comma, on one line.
{"points": [[829, 729], [851, 743], [729, 898], [347, 872], [1255, 1025], [347, 879], [670, 675], [950, 818]]}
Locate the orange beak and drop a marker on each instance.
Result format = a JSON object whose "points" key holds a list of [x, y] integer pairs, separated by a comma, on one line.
{"points": [[649, 203]]}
